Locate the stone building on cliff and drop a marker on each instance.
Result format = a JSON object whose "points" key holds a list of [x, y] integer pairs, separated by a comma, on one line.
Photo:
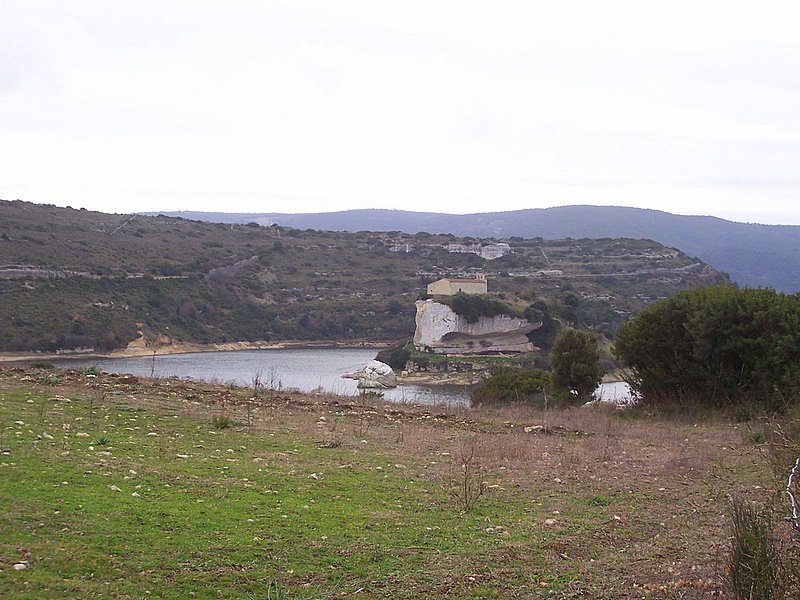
{"points": [[450, 287]]}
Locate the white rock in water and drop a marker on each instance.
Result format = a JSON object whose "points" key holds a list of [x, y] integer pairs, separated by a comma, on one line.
{"points": [[375, 374]]}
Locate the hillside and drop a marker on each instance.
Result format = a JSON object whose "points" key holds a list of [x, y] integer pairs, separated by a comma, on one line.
{"points": [[80, 279], [753, 255]]}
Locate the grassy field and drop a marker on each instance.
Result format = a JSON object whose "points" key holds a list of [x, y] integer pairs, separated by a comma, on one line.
{"points": [[117, 488]]}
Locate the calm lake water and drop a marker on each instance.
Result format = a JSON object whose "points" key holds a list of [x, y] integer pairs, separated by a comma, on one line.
{"points": [[304, 369]]}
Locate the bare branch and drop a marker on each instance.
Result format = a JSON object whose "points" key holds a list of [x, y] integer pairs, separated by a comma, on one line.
{"points": [[790, 489]]}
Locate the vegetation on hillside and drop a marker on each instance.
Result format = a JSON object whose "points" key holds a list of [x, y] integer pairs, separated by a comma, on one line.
{"points": [[474, 306], [753, 254], [76, 278]]}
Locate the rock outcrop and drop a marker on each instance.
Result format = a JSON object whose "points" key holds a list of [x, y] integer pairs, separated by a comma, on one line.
{"points": [[441, 330], [375, 375]]}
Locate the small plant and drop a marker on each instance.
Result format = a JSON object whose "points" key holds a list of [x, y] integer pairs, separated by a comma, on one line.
{"points": [[258, 385], [50, 380], [40, 364], [92, 371], [273, 382], [102, 441], [758, 437], [755, 566], [276, 591], [258, 388], [466, 486], [221, 421], [600, 501], [99, 396]]}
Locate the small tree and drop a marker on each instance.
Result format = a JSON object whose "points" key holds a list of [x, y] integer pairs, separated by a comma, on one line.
{"points": [[576, 363]]}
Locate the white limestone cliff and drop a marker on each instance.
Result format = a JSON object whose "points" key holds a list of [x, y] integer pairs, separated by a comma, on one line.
{"points": [[441, 330]]}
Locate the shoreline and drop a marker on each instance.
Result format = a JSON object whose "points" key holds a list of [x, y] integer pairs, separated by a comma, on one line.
{"points": [[186, 348]]}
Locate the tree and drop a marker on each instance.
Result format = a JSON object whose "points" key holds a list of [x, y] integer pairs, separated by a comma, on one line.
{"points": [[545, 335], [576, 363], [716, 344]]}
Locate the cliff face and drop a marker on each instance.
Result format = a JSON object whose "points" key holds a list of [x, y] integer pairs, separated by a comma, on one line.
{"points": [[441, 330]]}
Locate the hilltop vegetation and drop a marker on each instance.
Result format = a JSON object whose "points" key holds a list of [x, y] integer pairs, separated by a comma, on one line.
{"points": [[754, 255], [75, 278]]}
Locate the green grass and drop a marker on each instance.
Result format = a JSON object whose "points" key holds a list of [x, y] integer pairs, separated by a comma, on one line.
{"points": [[227, 514], [140, 495]]}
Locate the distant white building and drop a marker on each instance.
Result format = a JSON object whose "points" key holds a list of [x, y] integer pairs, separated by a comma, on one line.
{"points": [[449, 287], [487, 252], [493, 251]]}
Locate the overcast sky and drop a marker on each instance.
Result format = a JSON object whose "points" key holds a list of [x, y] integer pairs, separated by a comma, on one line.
{"points": [[691, 107]]}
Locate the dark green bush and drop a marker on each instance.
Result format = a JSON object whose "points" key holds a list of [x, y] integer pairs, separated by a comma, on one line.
{"points": [[396, 357], [474, 306], [507, 385], [221, 421], [720, 343], [40, 364]]}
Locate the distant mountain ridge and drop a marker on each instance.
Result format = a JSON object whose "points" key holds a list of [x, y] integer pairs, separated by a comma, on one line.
{"points": [[754, 255]]}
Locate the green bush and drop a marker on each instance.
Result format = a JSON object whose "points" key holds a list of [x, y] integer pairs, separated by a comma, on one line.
{"points": [[93, 371], [507, 385], [40, 364], [221, 421], [473, 306], [720, 343], [575, 358], [396, 357]]}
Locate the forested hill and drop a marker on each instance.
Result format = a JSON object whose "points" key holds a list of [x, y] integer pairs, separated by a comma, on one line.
{"points": [[75, 278], [753, 255]]}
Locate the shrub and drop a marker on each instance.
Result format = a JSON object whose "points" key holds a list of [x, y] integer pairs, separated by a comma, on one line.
{"points": [[221, 421], [40, 364], [506, 385], [92, 371], [473, 306], [466, 486], [721, 343], [755, 564], [396, 357]]}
